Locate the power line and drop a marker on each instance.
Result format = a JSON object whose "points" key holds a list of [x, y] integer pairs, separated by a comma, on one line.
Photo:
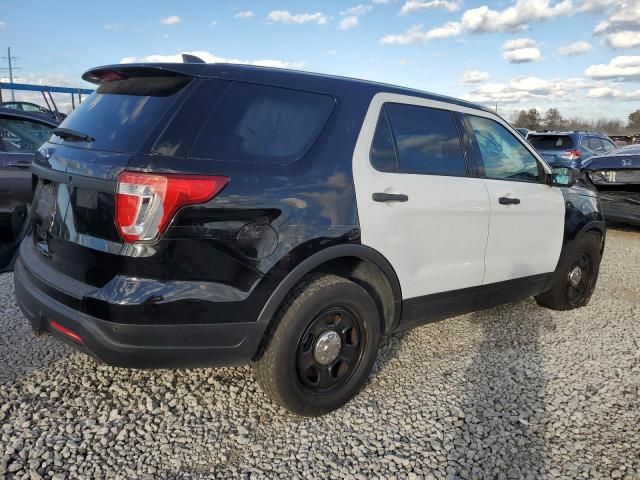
{"points": [[11, 68]]}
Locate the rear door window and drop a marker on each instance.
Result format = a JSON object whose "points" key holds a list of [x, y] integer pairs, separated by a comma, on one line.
{"points": [[595, 145], [262, 124], [427, 140], [120, 114], [383, 153], [551, 142]]}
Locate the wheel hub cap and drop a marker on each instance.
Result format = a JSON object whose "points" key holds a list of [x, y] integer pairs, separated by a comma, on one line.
{"points": [[327, 347], [575, 276]]}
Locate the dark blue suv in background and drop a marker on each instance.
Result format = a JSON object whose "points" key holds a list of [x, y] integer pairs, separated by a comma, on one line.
{"points": [[570, 149]]}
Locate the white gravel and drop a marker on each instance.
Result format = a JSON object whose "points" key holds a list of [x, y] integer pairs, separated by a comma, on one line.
{"points": [[512, 392]]}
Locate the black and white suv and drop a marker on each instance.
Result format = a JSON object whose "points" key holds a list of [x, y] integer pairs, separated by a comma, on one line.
{"points": [[192, 215]]}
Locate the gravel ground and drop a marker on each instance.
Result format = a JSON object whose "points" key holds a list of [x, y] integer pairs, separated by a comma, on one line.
{"points": [[512, 392]]}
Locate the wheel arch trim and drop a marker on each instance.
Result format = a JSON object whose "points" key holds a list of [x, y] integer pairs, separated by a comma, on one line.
{"points": [[319, 258]]}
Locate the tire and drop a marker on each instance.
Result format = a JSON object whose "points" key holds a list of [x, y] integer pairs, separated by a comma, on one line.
{"points": [[294, 368], [564, 293]]}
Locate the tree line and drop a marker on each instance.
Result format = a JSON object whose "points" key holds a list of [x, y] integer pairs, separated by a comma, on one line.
{"points": [[553, 120]]}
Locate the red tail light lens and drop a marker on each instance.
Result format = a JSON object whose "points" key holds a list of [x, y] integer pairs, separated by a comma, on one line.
{"points": [[571, 154], [147, 202]]}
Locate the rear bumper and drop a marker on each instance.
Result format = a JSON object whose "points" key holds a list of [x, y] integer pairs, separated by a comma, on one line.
{"points": [[139, 346]]}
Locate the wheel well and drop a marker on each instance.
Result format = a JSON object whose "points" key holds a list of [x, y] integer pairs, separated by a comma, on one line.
{"points": [[598, 232], [370, 277]]}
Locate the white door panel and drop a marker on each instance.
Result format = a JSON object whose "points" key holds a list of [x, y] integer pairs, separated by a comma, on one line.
{"points": [[524, 239], [436, 240]]}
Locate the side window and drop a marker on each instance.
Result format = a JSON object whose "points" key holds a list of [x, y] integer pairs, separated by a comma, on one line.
{"points": [[584, 142], [22, 136], [383, 152], [262, 124], [595, 144], [427, 140], [608, 146], [503, 155]]}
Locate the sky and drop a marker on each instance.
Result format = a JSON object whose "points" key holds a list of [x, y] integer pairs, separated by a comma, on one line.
{"points": [[581, 56]]}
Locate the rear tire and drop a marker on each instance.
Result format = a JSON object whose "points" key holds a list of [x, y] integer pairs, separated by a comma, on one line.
{"points": [[576, 275], [322, 349]]}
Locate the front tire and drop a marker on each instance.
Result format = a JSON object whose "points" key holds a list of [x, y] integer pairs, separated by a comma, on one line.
{"points": [[323, 347], [576, 275]]}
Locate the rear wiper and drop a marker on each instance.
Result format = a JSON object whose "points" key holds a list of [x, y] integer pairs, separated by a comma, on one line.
{"points": [[72, 135]]}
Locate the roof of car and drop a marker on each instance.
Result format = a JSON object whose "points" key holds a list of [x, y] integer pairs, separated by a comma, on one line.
{"points": [[20, 114], [566, 132], [270, 75]]}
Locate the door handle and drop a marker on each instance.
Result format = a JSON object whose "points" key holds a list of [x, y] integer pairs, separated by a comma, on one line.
{"points": [[509, 201], [389, 197]]}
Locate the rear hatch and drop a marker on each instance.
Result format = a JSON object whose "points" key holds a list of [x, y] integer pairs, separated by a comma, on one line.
{"points": [[75, 173], [556, 149]]}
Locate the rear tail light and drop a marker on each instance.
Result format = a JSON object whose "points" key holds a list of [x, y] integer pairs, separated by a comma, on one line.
{"points": [[147, 202], [571, 155], [71, 335]]}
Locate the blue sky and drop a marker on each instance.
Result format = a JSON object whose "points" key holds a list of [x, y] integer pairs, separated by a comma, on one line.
{"points": [[582, 56]]}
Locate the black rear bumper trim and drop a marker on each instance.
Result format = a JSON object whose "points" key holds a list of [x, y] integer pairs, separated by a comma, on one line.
{"points": [[142, 346]]}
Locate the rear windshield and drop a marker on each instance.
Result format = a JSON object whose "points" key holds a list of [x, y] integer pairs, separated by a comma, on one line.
{"points": [[262, 124], [120, 114], [551, 142]]}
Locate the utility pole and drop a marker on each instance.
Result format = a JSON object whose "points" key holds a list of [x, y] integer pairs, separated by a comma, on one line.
{"points": [[9, 60]]}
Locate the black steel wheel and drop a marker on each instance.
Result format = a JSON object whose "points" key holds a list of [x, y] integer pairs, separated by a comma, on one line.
{"points": [[321, 350], [576, 275], [330, 350]]}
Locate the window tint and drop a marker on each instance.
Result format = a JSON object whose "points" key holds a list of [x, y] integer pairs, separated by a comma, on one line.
{"points": [[608, 146], [427, 140], [22, 136], [262, 124], [121, 114], [550, 142], [503, 156], [595, 144], [383, 152]]}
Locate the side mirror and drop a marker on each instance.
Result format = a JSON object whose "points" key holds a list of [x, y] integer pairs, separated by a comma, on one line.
{"points": [[563, 177]]}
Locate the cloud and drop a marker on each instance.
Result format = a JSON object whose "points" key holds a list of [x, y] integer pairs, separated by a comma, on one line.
{"points": [[576, 48], [474, 76], [624, 39], [413, 6], [620, 68], [604, 92], [2, 24], [415, 34], [380, 2], [621, 29], [349, 22], [520, 50], [484, 20], [171, 20], [283, 16], [358, 10], [213, 23], [521, 89], [244, 15], [112, 27], [331, 53], [212, 58]]}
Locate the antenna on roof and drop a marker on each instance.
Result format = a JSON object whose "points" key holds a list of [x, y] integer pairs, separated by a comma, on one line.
{"points": [[187, 58]]}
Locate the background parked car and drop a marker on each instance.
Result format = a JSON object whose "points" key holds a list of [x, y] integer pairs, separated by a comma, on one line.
{"points": [[21, 133], [33, 108], [616, 177], [570, 149]]}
